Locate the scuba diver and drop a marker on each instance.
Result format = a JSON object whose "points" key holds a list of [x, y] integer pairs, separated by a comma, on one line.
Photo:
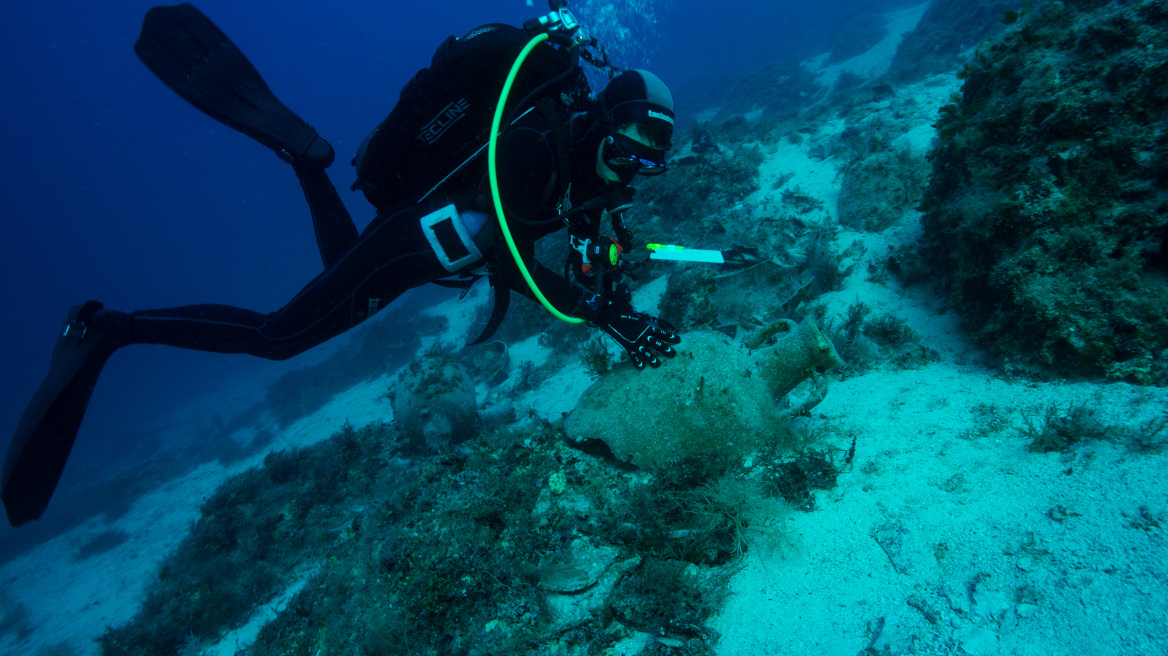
{"points": [[458, 197]]}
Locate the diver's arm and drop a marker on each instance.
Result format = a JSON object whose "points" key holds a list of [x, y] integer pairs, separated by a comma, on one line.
{"points": [[642, 336], [564, 295], [528, 187], [528, 177]]}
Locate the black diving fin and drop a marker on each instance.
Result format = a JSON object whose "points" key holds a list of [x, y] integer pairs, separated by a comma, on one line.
{"points": [[44, 437], [196, 59]]}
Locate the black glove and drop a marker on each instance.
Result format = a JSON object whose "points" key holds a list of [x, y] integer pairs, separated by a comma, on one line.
{"points": [[638, 333]]}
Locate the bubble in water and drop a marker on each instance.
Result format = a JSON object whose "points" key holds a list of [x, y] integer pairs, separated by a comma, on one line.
{"points": [[627, 30]]}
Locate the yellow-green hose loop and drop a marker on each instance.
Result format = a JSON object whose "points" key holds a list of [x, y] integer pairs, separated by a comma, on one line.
{"points": [[493, 175]]}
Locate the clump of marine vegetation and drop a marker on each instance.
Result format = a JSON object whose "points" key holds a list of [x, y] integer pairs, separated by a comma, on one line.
{"points": [[1056, 428], [513, 542], [865, 339], [252, 537], [1047, 211]]}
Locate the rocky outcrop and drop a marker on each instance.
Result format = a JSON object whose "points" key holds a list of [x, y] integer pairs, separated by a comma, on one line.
{"points": [[1047, 212]]}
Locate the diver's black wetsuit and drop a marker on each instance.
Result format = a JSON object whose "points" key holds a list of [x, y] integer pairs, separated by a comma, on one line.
{"points": [[365, 272]]}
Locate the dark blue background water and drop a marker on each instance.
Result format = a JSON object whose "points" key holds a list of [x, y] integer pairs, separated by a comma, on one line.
{"points": [[115, 189]]}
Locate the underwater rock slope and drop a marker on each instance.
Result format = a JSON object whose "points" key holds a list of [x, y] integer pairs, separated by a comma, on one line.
{"points": [[1047, 209], [946, 31]]}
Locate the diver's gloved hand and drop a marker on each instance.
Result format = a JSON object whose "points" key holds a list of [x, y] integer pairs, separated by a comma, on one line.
{"points": [[639, 334]]}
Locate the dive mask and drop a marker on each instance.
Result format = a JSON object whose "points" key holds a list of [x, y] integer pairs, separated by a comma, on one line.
{"points": [[623, 154]]}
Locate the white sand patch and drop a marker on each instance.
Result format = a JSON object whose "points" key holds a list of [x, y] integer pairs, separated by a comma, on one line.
{"points": [[558, 394], [360, 405], [818, 178], [71, 600], [460, 314], [924, 312], [707, 115], [754, 114], [941, 534], [529, 350], [918, 141], [648, 297]]}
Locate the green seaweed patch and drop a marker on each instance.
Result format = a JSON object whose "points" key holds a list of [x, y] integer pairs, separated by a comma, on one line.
{"points": [[488, 547], [471, 559], [793, 479], [595, 357], [864, 340], [254, 534], [669, 598], [1060, 429]]}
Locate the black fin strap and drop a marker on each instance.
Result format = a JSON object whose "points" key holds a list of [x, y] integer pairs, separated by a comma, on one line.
{"points": [[502, 300], [454, 284]]}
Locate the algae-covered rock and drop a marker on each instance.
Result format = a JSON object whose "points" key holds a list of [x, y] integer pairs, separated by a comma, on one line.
{"points": [[715, 395], [1045, 215], [434, 402], [877, 190]]}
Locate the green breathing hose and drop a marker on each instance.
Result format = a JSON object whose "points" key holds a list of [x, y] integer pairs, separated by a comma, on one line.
{"points": [[494, 177]]}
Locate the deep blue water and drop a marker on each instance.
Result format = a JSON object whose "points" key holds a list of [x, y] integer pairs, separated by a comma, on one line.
{"points": [[114, 189]]}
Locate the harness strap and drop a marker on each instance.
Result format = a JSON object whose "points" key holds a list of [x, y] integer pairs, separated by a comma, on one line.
{"points": [[456, 284], [563, 145], [502, 301]]}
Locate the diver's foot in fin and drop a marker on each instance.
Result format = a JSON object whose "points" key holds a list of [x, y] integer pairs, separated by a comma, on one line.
{"points": [[319, 155], [198, 62], [44, 437]]}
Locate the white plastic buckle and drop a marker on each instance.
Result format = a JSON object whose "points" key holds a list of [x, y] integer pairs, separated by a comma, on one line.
{"points": [[436, 218], [580, 246]]}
